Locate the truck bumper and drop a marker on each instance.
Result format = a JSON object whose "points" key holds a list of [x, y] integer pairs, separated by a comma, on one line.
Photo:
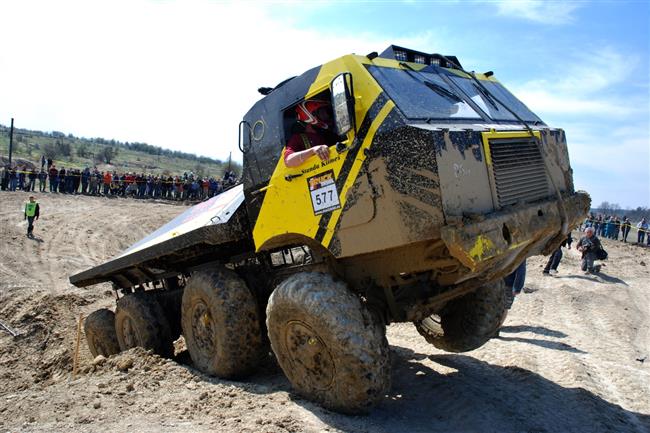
{"points": [[495, 245]]}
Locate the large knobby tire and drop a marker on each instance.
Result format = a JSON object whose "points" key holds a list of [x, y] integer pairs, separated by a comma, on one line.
{"points": [[99, 328], [221, 324], [140, 321], [468, 322], [327, 343]]}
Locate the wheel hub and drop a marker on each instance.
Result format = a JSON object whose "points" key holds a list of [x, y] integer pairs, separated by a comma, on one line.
{"points": [[128, 333], [310, 357], [203, 327]]}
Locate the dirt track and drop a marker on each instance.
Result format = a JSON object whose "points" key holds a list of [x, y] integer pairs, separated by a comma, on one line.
{"points": [[573, 356]]}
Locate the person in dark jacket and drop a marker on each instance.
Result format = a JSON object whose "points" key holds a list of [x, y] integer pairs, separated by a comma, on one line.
{"points": [[625, 228], [62, 174], [13, 179], [589, 245], [21, 178], [554, 260], [42, 180], [54, 178], [85, 177], [31, 184]]}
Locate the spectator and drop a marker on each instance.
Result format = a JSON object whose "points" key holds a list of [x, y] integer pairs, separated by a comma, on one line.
{"points": [[85, 180], [107, 182], [554, 260], [4, 185], [92, 182], [31, 177], [589, 245], [31, 212], [61, 180], [76, 181], [13, 179], [54, 178], [625, 228], [642, 226], [517, 279], [21, 178], [42, 180]]}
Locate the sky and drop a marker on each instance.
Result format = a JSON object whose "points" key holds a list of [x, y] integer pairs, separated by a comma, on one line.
{"points": [[181, 74]]}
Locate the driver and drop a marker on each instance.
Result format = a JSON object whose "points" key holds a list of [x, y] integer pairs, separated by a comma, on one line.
{"points": [[315, 116]]}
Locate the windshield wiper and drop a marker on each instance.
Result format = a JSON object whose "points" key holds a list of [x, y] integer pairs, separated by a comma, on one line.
{"points": [[484, 93], [443, 92], [433, 86]]}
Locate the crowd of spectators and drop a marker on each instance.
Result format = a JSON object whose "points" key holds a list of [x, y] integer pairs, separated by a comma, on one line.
{"points": [[113, 184], [613, 227]]}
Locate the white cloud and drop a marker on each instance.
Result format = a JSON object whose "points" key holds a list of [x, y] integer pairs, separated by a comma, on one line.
{"points": [[612, 165], [587, 83], [545, 12], [179, 75], [622, 152], [608, 134]]}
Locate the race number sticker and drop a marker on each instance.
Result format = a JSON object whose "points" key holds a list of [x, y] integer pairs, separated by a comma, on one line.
{"points": [[324, 196]]}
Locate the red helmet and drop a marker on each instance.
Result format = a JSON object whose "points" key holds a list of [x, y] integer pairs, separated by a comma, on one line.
{"points": [[306, 112]]}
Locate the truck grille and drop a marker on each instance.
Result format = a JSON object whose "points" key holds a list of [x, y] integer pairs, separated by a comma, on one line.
{"points": [[518, 170]]}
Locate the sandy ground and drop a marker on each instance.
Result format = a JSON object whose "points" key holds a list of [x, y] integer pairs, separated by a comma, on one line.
{"points": [[573, 356]]}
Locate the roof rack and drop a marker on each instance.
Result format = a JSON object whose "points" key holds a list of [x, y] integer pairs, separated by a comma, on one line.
{"points": [[407, 55]]}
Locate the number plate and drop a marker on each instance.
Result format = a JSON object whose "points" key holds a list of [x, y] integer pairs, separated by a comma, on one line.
{"points": [[324, 196]]}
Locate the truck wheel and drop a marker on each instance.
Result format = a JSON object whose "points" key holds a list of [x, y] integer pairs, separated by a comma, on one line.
{"points": [[139, 321], [221, 324], [468, 322], [99, 328], [327, 343]]}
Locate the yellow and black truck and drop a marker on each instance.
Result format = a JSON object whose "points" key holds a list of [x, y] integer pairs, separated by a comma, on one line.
{"points": [[436, 184]]}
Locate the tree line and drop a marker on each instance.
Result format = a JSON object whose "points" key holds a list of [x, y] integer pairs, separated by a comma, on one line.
{"points": [[57, 144], [607, 208]]}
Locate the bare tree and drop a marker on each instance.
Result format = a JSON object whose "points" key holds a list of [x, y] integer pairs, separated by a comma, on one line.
{"points": [[108, 153], [605, 207]]}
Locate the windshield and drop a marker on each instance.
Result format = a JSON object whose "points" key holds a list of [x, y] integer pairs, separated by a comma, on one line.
{"points": [[485, 96], [422, 98], [425, 95]]}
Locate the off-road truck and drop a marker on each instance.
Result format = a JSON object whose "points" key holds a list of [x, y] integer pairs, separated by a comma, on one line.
{"points": [[440, 184]]}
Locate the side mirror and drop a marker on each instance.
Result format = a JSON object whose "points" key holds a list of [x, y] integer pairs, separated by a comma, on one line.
{"points": [[343, 103]]}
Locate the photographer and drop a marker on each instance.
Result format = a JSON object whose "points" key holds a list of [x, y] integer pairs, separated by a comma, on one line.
{"points": [[590, 246]]}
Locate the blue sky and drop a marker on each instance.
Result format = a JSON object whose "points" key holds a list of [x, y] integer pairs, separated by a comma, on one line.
{"points": [[180, 74]]}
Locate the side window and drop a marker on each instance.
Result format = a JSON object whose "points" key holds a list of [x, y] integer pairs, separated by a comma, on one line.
{"points": [[319, 116]]}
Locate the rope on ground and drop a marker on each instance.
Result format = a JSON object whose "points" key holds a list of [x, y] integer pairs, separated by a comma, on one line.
{"points": [[75, 359], [11, 331]]}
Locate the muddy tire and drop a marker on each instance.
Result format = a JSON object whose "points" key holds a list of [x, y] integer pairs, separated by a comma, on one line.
{"points": [[99, 328], [468, 322], [221, 324], [327, 343], [140, 321]]}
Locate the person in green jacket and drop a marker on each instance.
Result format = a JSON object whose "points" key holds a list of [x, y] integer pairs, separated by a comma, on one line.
{"points": [[32, 211]]}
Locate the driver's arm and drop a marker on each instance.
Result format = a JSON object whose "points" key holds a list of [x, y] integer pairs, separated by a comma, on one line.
{"points": [[294, 159]]}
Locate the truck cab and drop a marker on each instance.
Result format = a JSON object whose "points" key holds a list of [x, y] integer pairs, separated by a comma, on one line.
{"points": [[429, 157]]}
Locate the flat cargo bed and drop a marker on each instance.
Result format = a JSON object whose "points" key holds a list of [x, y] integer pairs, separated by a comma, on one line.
{"points": [[208, 231]]}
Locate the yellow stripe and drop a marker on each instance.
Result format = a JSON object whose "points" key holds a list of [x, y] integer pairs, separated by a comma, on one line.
{"points": [[354, 170]]}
